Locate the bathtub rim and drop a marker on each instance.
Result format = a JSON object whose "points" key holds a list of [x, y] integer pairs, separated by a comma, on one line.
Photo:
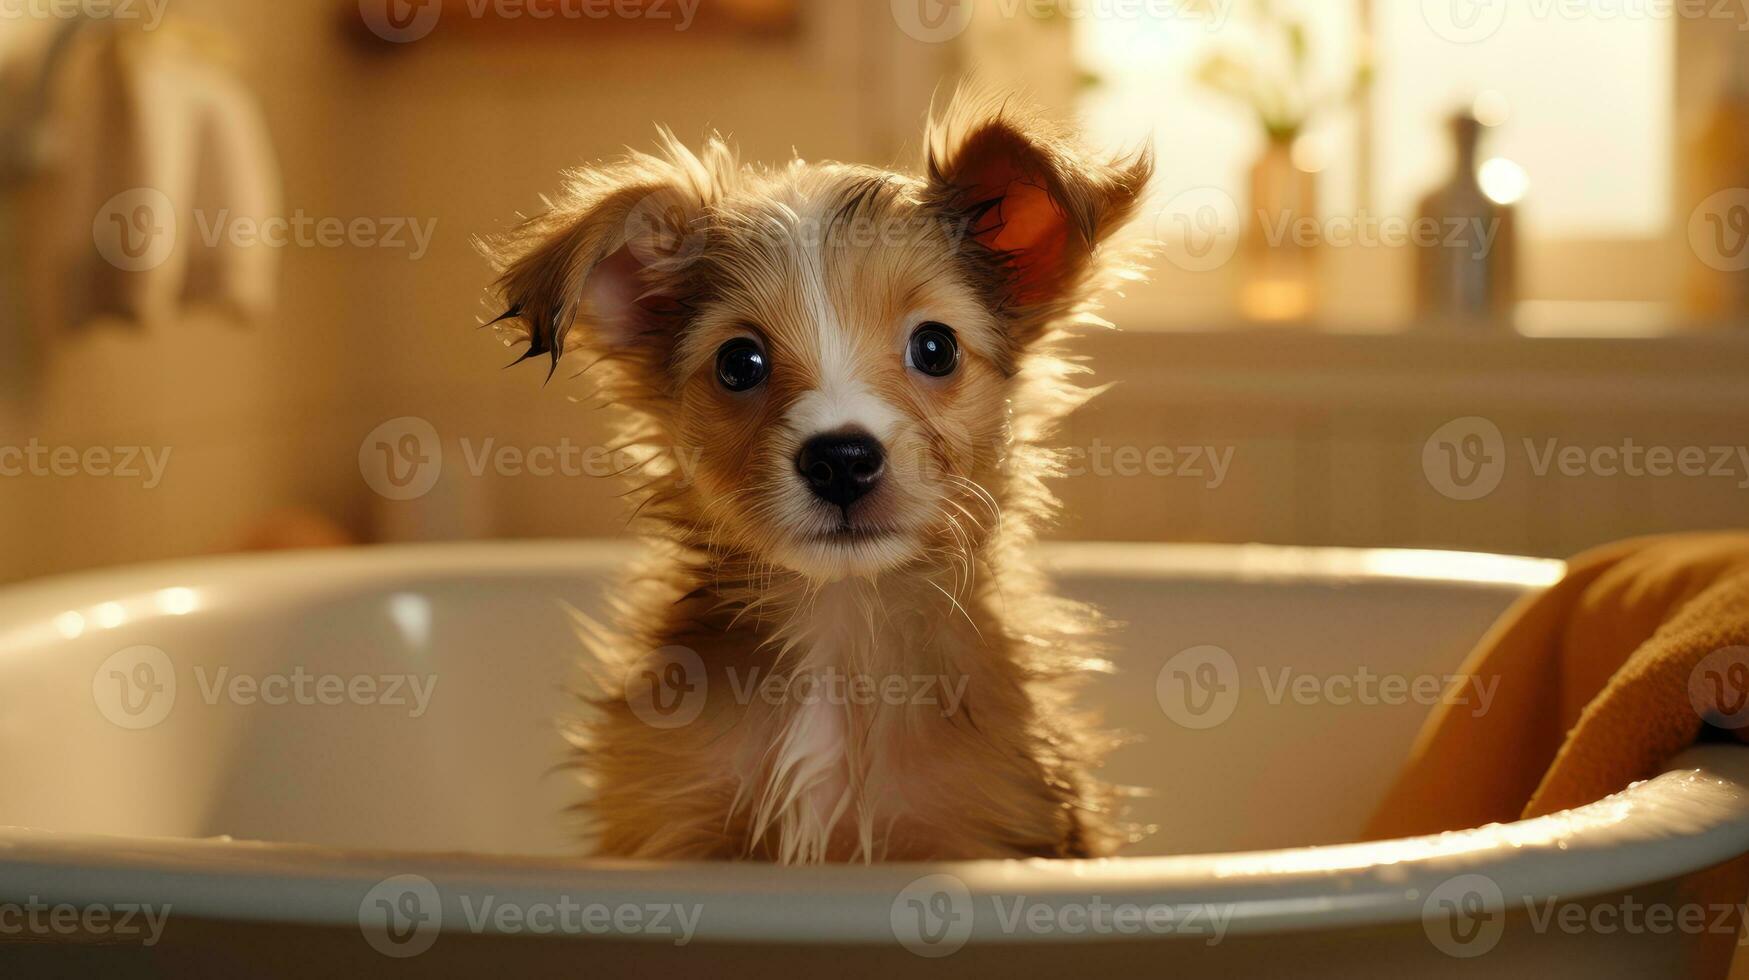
{"points": [[1692, 817], [1093, 559]]}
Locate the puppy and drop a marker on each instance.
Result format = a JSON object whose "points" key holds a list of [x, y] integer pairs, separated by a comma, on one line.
{"points": [[840, 380]]}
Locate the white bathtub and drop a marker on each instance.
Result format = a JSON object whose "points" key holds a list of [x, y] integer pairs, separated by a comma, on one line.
{"points": [[370, 835]]}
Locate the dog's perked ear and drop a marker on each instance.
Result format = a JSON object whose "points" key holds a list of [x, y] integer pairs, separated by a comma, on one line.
{"points": [[610, 265], [1035, 206]]}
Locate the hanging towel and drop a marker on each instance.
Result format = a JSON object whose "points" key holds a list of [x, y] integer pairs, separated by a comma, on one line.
{"points": [[160, 156]]}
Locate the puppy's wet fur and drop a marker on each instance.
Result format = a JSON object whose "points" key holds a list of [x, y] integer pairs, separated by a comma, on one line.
{"points": [[807, 670]]}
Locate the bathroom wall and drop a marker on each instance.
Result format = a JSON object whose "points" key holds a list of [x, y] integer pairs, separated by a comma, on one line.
{"points": [[460, 131], [456, 133]]}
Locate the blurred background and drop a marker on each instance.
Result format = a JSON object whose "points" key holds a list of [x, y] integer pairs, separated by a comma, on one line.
{"points": [[1465, 274]]}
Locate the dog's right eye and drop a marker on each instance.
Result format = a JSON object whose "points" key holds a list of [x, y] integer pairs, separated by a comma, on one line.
{"points": [[741, 365]]}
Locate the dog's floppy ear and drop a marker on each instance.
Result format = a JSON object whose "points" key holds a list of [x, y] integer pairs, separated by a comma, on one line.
{"points": [[1036, 206], [614, 253]]}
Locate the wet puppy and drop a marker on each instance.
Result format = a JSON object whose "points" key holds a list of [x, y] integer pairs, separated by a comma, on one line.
{"points": [[840, 380]]}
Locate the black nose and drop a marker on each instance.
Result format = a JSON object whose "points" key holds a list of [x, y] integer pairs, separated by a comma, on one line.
{"points": [[841, 467]]}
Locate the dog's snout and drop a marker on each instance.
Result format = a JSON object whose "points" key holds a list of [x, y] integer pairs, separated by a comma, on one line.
{"points": [[841, 467]]}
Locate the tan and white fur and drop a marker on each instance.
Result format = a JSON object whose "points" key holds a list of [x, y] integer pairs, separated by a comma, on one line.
{"points": [[941, 723]]}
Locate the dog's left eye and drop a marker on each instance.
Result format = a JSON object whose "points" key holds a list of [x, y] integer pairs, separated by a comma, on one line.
{"points": [[741, 365], [934, 350]]}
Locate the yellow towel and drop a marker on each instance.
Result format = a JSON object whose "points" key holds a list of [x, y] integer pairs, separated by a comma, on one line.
{"points": [[1602, 678]]}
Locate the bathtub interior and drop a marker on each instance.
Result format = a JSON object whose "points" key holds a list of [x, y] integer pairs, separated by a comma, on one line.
{"points": [[479, 768]]}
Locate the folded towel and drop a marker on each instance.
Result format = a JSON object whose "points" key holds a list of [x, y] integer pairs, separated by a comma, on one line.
{"points": [[1602, 679]]}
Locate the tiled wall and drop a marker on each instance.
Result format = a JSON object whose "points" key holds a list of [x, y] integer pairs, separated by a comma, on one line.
{"points": [[1327, 435], [460, 133], [1325, 431]]}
